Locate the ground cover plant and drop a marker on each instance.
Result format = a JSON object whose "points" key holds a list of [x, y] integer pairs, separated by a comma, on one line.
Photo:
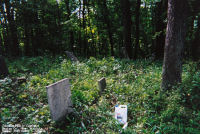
{"points": [[134, 83]]}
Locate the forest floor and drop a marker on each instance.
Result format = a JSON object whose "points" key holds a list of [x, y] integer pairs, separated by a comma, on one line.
{"points": [[133, 83]]}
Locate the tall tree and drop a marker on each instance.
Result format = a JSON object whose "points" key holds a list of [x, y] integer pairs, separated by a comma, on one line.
{"points": [[105, 12], [1, 44], [26, 19], [5, 30], [137, 30], [13, 29], [3, 68], [160, 16], [176, 32], [196, 42], [127, 27], [85, 45], [71, 37]]}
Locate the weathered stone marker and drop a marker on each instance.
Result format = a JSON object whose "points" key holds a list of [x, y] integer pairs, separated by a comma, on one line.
{"points": [[59, 99], [102, 84], [124, 53], [71, 56]]}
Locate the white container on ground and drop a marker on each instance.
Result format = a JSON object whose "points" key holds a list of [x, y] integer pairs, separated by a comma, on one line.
{"points": [[121, 113]]}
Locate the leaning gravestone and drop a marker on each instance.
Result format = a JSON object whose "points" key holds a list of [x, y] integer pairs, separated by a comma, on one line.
{"points": [[124, 53], [71, 56], [102, 84], [3, 68], [59, 99]]}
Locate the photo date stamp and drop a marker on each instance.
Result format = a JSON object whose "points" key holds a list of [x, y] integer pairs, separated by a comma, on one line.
{"points": [[18, 128]]}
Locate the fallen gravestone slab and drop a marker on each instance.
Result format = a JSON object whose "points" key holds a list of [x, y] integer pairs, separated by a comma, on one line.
{"points": [[59, 99], [102, 84], [71, 56], [3, 68]]}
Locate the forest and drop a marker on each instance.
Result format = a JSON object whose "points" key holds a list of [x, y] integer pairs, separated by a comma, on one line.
{"points": [[148, 51]]}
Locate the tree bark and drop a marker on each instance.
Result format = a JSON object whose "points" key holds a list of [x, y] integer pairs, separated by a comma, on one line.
{"points": [[196, 43], [85, 45], [160, 16], [26, 18], [1, 45], [127, 27], [71, 34], [176, 32], [5, 30], [137, 24], [3, 68], [13, 29], [105, 14]]}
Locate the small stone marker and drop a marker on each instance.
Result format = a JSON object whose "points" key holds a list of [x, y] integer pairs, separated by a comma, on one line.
{"points": [[71, 56], [59, 99], [102, 84]]}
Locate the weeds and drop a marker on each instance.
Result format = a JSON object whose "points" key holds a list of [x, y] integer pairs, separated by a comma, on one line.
{"points": [[134, 83]]}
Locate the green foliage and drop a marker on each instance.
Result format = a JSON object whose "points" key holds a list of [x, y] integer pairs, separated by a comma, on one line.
{"points": [[135, 83]]}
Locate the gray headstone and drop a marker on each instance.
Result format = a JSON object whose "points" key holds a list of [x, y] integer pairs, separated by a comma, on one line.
{"points": [[59, 99], [124, 53], [102, 84], [71, 56]]}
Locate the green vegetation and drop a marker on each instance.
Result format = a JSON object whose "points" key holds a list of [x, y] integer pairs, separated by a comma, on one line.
{"points": [[135, 83]]}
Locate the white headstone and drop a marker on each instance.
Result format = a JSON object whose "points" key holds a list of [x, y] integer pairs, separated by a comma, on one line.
{"points": [[59, 99]]}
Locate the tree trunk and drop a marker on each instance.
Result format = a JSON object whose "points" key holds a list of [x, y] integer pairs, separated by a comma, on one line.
{"points": [[37, 33], [137, 31], [3, 68], [105, 14], [5, 30], [196, 43], [71, 34], [127, 27], [26, 30], [80, 24], [176, 32], [1, 45], [13, 29], [160, 16], [85, 45]]}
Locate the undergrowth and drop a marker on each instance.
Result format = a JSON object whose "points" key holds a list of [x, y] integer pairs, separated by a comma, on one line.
{"points": [[134, 83]]}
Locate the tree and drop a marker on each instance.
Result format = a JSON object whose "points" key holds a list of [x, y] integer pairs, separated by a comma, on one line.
{"points": [[105, 12], [195, 45], [3, 68], [127, 26], [13, 29], [160, 16], [174, 42], [137, 30], [5, 31], [71, 38]]}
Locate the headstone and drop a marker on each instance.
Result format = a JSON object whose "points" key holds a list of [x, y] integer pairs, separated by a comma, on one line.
{"points": [[71, 56], [3, 68], [59, 99], [102, 84], [124, 53]]}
